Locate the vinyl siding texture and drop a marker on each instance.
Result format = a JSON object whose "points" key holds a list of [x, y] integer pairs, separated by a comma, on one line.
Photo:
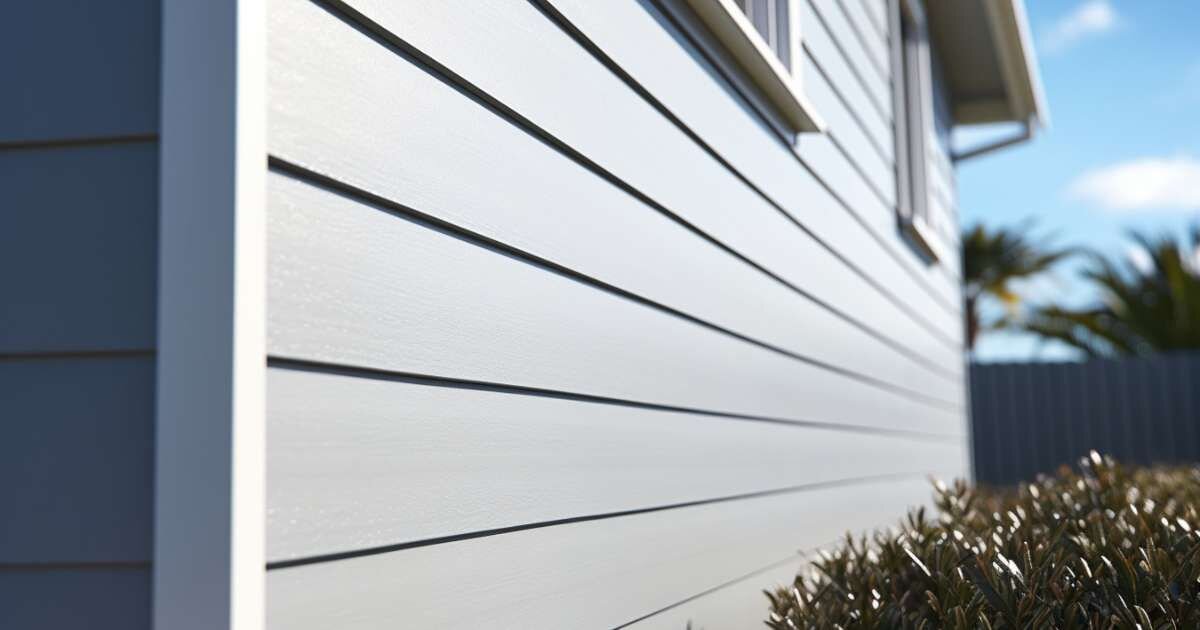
{"points": [[562, 332], [78, 252]]}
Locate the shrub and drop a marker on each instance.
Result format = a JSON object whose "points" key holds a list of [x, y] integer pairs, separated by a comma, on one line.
{"points": [[1104, 547]]}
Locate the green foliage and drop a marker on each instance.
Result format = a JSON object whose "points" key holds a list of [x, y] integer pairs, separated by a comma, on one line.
{"points": [[992, 259], [1101, 548], [1145, 310]]}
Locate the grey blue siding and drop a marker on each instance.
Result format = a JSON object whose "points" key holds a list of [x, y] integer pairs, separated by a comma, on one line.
{"points": [[78, 255], [91, 597], [78, 252], [558, 316], [79, 70]]}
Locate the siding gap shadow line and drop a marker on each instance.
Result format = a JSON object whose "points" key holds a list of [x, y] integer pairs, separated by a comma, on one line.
{"points": [[879, 28], [99, 565], [565, 24], [840, 93], [445, 75], [799, 555], [936, 298], [781, 138], [859, 124], [942, 268], [432, 380], [587, 44], [58, 355], [281, 166], [68, 143], [499, 531], [854, 115]]}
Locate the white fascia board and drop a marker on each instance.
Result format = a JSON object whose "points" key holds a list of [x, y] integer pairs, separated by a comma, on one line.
{"points": [[1023, 83]]}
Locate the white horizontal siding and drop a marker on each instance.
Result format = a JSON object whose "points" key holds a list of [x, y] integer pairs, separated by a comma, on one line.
{"points": [[558, 321], [639, 41], [341, 122], [868, 35], [832, 21], [849, 124], [834, 46], [874, 167], [877, 11], [358, 463], [592, 574], [740, 605], [353, 285], [337, 116], [823, 52]]}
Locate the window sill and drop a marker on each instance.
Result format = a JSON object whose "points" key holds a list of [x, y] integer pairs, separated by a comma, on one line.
{"points": [[925, 239]]}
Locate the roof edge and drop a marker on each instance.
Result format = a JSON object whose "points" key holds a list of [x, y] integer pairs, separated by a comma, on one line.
{"points": [[1010, 29]]}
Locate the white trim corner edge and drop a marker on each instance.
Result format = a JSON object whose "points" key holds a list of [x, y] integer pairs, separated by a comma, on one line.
{"points": [[209, 560]]}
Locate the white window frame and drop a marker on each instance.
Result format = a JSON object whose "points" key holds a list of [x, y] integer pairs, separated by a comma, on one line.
{"points": [[912, 97], [778, 79]]}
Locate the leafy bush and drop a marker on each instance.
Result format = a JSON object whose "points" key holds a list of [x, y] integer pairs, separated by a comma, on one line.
{"points": [[1104, 547]]}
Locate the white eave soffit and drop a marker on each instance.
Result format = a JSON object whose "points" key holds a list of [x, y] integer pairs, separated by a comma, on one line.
{"points": [[1008, 62]]}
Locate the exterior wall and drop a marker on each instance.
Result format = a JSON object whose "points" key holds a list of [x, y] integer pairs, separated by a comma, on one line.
{"points": [[563, 332], [78, 253]]}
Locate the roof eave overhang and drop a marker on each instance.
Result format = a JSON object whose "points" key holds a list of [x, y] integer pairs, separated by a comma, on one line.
{"points": [[1014, 47]]}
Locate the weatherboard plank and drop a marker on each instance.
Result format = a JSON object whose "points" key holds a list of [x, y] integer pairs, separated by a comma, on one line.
{"points": [[590, 574], [363, 462]]}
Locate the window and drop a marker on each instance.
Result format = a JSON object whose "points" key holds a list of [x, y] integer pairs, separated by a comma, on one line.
{"points": [[770, 19], [763, 38], [914, 118]]}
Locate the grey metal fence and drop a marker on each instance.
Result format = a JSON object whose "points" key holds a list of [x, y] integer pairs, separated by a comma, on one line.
{"points": [[1030, 418]]}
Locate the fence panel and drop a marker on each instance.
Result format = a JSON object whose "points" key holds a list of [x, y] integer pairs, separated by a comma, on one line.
{"points": [[1030, 418]]}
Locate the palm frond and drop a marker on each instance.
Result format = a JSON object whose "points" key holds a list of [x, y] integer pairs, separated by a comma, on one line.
{"points": [[992, 259], [1144, 310]]}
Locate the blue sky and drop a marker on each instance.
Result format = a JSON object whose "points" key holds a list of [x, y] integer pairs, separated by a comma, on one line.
{"points": [[1122, 79]]}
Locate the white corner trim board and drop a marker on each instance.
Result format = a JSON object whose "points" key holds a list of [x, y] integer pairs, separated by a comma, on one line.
{"points": [[208, 567]]}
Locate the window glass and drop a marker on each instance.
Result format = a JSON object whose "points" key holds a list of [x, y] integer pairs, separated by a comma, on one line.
{"points": [[770, 19]]}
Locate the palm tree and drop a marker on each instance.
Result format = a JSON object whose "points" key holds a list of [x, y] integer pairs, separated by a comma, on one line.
{"points": [[992, 259], [1146, 308]]}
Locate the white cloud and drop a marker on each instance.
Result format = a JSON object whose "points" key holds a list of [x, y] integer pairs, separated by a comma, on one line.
{"points": [[1146, 184], [1092, 17]]}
